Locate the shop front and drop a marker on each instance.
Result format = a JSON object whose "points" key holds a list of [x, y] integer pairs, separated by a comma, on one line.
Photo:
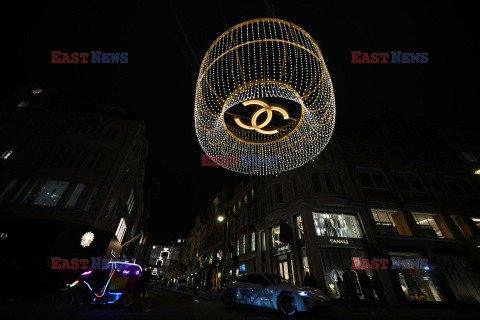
{"points": [[282, 256], [339, 238]]}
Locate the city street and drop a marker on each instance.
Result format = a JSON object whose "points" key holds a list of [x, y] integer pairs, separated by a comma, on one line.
{"points": [[165, 304]]}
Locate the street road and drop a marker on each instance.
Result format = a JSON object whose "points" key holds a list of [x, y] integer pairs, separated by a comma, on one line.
{"points": [[165, 304]]}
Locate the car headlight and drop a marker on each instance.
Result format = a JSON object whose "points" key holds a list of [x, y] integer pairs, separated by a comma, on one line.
{"points": [[303, 293]]}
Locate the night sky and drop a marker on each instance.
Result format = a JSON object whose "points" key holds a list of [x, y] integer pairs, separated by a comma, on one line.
{"points": [[166, 41]]}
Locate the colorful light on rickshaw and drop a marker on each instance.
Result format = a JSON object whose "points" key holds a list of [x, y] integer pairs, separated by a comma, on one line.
{"points": [[73, 284], [87, 272]]}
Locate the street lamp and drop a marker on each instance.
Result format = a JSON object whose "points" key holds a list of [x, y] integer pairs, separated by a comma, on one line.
{"points": [[477, 172], [220, 218]]}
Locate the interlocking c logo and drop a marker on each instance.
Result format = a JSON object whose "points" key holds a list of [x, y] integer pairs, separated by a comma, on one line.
{"points": [[265, 108]]}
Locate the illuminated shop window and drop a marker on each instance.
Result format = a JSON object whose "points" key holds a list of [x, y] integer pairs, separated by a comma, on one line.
{"points": [[390, 222], [460, 223], [122, 227], [432, 225], [336, 225], [244, 243], [46, 193], [418, 281], [238, 247], [278, 247]]}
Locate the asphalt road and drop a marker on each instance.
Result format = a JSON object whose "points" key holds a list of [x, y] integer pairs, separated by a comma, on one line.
{"points": [[165, 304]]}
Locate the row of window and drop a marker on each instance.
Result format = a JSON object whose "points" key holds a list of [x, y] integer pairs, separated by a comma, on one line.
{"points": [[321, 182], [74, 157], [242, 244], [410, 181], [48, 193], [88, 128]]}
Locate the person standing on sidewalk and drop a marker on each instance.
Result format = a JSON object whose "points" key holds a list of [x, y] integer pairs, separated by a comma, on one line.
{"points": [[350, 289], [209, 286]]}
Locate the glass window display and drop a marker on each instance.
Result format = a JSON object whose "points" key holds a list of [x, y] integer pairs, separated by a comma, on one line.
{"points": [[336, 225]]}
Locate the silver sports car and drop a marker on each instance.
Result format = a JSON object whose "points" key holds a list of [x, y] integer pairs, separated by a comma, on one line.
{"points": [[273, 291]]}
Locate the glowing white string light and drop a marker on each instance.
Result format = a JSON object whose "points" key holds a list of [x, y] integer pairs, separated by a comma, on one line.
{"points": [[264, 59]]}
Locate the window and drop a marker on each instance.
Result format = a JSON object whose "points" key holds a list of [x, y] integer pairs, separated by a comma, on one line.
{"points": [[279, 193], [408, 181], [46, 193], [390, 222], [336, 225], [75, 195], [295, 189], [6, 154], [379, 151], [432, 225], [460, 186], [264, 242], [130, 202], [20, 191], [122, 227], [396, 152], [9, 187], [278, 247], [364, 149], [460, 223], [371, 178], [111, 205], [476, 221], [316, 183], [417, 283], [244, 243], [435, 184], [329, 181], [469, 156], [299, 225], [91, 198], [252, 238]]}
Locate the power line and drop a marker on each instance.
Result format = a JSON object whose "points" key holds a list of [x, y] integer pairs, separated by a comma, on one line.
{"points": [[185, 35]]}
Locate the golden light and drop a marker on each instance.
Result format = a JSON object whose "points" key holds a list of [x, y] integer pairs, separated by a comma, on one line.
{"points": [[264, 91], [477, 172], [220, 218]]}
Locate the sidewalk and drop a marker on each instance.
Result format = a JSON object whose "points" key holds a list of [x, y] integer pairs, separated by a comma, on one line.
{"points": [[201, 294]]}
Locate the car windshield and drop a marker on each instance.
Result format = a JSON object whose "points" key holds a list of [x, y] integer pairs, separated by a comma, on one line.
{"points": [[274, 279]]}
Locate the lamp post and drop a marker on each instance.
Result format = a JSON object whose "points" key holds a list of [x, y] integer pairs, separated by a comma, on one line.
{"points": [[220, 219]]}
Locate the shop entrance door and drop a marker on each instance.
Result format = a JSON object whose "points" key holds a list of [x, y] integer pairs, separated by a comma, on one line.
{"points": [[284, 270]]}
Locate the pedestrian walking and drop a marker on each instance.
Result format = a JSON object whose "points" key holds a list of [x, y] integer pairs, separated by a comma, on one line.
{"points": [[367, 287], [209, 286], [350, 290], [143, 283]]}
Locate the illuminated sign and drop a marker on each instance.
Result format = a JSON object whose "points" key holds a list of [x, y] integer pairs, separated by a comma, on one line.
{"points": [[341, 241]]}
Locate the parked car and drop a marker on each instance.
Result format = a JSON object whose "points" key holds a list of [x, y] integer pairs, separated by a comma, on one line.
{"points": [[272, 291], [181, 284]]}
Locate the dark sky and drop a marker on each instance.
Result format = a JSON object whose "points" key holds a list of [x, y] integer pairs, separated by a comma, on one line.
{"points": [[166, 41]]}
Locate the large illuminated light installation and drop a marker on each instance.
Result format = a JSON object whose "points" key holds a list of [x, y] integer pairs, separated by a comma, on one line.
{"points": [[264, 92]]}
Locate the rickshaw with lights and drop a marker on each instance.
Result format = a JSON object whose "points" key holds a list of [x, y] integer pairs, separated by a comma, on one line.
{"points": [[115, 284]]}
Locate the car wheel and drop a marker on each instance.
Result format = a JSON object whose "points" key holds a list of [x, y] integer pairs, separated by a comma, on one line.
{"points": [[229, 297], [286, 304], [127, 299]]}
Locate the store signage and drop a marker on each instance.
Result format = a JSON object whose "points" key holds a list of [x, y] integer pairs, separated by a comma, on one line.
{"points": [[342, 241]]}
